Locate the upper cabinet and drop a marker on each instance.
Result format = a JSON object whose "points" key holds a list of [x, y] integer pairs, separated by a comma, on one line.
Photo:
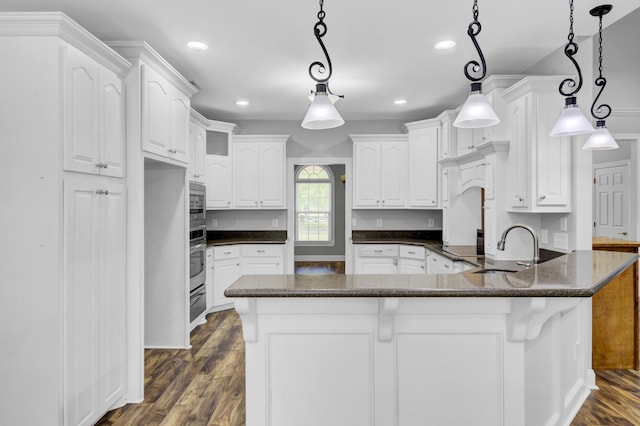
{"points": [[259, 171], [540, 165], [379, 171], [218, 175], [197, 145], [162, 95], [94, 125], [422, 167]]}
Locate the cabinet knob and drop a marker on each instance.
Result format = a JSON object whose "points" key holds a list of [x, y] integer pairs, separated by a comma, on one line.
{"points": [[106, 192], [519, 198], [622, 233], [378, 201], [229, 202], [260, 202], [383, 201], [542, 197], [99, 191]]}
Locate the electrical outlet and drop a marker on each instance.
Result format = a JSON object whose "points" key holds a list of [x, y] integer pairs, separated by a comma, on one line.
{"points": [[560, 241], [563, 224], [379, 223], [274, 223], [544, 236], [214, 223], [431, 222]]}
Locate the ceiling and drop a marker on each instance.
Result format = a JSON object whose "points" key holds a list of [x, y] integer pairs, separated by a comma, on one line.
{"points": [[260, 51]]}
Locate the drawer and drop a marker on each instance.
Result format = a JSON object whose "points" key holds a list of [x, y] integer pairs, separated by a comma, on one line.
{"points": [[413, 252], [226, 252], [378, 250], [262, 250]]}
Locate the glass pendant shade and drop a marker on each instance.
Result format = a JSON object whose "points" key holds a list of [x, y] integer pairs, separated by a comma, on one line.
{"points": [[322, 114], [571, 121], [476, 112], [600, 139]]}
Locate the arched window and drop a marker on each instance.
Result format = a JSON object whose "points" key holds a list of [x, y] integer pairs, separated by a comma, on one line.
{"points": [[314, 205]]}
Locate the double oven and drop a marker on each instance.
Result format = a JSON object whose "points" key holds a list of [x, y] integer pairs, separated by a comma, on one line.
{"points": [[197, 250]]}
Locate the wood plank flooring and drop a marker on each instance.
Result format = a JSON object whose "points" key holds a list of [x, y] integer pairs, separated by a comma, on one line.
{"points": [[205, 385]]}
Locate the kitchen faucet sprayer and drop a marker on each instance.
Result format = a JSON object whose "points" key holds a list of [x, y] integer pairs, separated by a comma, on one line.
{"points": [[534, 236]]}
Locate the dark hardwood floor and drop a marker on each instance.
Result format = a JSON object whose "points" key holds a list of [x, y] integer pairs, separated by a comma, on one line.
{"points": [[205, 385]]}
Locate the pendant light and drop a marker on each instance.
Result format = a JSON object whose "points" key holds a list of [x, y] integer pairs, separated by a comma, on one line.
{"points": [[601, 138], [572, 121], [322, 114], [476, 111]]}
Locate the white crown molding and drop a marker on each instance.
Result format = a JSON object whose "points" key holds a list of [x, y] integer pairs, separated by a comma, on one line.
{"points": [[57, 24], [625, 112], [200, 119], [221, 126], [379, 138], [261, 138], [537, 84], [494, 82], [421, 124], [140, 51]]}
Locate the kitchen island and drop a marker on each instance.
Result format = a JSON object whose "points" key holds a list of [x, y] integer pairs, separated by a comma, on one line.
{"points": [[478, 347]]}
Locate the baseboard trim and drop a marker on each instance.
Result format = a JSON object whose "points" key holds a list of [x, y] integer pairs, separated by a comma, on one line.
{"points": [[319, 258]]}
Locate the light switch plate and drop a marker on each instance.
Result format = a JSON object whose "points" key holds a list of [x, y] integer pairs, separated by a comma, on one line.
{"points": [[563, 224], [431, 222], [379, 223], [544, 236], [214, 223], [560, 240], [274, 223]]}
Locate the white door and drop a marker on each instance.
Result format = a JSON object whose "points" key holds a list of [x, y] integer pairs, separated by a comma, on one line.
{"points": [[611, 200], [412, 266], [225, 273], [423, 167], [180, 112], [156, 113]]}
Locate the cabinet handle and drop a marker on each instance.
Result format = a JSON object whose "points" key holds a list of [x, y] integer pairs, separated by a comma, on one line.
{"points": [[227, 252], [99, 191], [411, 252], [378, 201], [259, 251], [377, 251], [519, 198], [383, 201], [542, 197], [422, 266], [622, 233], [446, 266], [237, 264], [106, 192], [229, 202], [260, 202]]}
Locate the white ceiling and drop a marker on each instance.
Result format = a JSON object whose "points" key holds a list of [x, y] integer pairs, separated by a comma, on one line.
{"points": [[260, 51]]}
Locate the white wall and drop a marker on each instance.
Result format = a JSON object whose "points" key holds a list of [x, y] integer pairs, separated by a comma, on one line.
{"points": [[396, 220], [246, 220]]}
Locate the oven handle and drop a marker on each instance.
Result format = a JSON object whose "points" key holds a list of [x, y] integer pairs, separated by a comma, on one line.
{"points": [[196, 247]]}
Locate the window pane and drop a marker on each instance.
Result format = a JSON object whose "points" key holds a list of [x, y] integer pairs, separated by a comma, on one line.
{"points": [[303, 196], [304, 174], [313, 204]]}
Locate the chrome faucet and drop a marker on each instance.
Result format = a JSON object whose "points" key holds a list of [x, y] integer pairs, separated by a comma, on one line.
{"points": [[536, 248]]}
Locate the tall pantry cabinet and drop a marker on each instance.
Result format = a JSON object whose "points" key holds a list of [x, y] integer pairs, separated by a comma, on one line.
{"points": [[63, 303]]}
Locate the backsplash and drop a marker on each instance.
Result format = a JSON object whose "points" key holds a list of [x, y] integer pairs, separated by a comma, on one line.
{"points": [[398, 220]]}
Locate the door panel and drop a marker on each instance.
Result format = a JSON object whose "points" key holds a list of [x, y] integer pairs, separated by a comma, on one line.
{"points": [[611, 198]]}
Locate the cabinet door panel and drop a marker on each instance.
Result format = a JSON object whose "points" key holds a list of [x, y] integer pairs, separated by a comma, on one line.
{"points": [[81, 296], [246, 174], [393, 175], [518, 155], [180, 112], [225, 272], [199, 155], [423, 167], [81, 116], [218, 182], [553, 156], [113, 294], [112, 126], [412, 266], [156, 113], [366, 187], [376, 265], [262, 266], [272, 180]]}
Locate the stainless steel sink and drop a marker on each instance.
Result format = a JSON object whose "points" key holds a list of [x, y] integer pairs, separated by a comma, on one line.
{"points": [[495, 271]]}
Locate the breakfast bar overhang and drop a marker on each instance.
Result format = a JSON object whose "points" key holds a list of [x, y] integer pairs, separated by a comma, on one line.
{"points": [[461, 349]]}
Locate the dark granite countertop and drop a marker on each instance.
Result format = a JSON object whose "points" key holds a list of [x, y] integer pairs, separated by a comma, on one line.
{"points": [[219, 238], [578, 274]]}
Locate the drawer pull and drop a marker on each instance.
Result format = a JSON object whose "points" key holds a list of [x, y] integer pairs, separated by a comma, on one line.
{"points": [[377, 251], [259, 251], [227, 252], [411, 252]]}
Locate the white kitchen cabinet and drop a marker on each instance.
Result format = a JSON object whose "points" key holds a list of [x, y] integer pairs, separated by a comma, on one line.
{"points": [[438, 264], [94, 298], [490, 236], [227, 268], [259, 172], [377, 259], [165, 117], [209, 283], [65, 244], [218, 182], [379, 171], [423, 168], [412, 260], [94, 127], [262, 259], [540, 166], [197, 143]]}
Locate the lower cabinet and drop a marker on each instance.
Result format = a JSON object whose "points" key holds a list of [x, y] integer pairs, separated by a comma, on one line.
{"points": [[438, 264], [412, 260], [94, 298], [227, 267], [262, 259], [377, 259]]}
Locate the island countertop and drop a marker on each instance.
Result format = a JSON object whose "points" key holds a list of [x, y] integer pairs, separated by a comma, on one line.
{"points": [[577, 274]]}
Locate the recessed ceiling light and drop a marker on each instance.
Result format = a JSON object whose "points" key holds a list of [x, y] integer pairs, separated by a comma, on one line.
{"points": [[400, 101], [197, 45], [242, 103], [446, 44]]}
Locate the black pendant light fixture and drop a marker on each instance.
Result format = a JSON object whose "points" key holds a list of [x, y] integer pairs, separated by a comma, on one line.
{"points": [[322, 114], [601, 138], [571, 121], [476, 111]]}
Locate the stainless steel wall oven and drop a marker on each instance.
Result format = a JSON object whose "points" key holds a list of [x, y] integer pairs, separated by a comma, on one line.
{"points": [[197, 250]]}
